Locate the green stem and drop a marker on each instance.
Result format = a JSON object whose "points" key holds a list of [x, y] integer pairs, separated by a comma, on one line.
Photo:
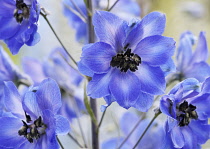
{"points": [[113, 5], [156, 115], [102, 117], [48, 22], [60, 142]]}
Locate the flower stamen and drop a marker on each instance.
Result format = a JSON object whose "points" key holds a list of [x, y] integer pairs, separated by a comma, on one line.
{"points": [[21, 12]]}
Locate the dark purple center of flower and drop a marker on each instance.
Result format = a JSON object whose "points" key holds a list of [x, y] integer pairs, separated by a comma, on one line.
{"points": [[126, 60], [32, 130], [21, 12], [185, 112]]}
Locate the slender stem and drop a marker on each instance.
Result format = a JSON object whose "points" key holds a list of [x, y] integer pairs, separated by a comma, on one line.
{"points": [[113, 5], [93, 103], [107, 7], [59, 142], [48, 22], [102, 117], [156, 115], [79, 10], [131, 132], [75, 140]]}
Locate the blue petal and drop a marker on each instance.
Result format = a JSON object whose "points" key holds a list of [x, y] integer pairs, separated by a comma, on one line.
{"points": [[7, 8], [49, 96], [84, 69], [201, 51], [167, 106], [8, 27], [152, 79], [184, 53], [125, 87], [99, 85], [189, 138], [9, 137], [110, 29], [177, 137], [144, 102], [36, 74], [62, 125], [152, 24], [206, 86], [168, 67], [200, 71], [31, 106], [34, 39], [13, 45], [98, 57], [202, 103], [13, 100], [50, 140], [155, 50], [200, 130]]}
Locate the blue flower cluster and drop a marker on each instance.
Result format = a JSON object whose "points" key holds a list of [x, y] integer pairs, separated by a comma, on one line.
{"points": [[130, 63], [18, 23]]}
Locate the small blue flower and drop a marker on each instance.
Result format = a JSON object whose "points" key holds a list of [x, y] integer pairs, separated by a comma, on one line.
{"points": [[126, 9], [187, 108], [34, 122], [191, 64], [151, 140], [18, 23], [56, 66], [126, 65]]}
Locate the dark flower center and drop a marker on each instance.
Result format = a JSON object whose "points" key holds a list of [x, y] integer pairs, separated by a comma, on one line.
{"points": [[21, 12], [126, 60], [185, 112], [32, 130]]}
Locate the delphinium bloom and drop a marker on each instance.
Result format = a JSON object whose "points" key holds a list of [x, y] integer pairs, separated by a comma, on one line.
{"points": [[34, 122], [8, 72], [56, 66], [126, 64], [18, 23], [191, 64], [187, 110], [151, 140], [126, 9]]}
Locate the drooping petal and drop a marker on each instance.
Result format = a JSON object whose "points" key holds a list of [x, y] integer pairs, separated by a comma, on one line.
{"points": [[144, 102], [201, 51], [125, 87], [206, 86], [109, 29], [99, 85], [155, 50], [62, 125], [177, 137], [152, 79], [12, 99], [98, 57], [167, 106], [84, 69], [184, 53], [13, 45], [48, 95], [201, 130], [200, 71], [168, 67], [152, 24], [9, 137]]}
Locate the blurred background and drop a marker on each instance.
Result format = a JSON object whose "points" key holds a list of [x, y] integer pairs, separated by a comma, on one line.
{"points": [[181, 15]]}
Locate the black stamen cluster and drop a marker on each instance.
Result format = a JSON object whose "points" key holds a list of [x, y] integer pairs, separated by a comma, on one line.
{"points": [[186, 112], [21, 12], [30, 131], [126, 60]]}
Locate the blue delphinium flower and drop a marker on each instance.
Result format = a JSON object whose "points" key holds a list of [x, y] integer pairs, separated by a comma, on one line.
{"points": [[151, 140], [126, 9], [34, 122], [187, 110], [126, 65], [18, 23], [56, 66], [189, 63]]}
